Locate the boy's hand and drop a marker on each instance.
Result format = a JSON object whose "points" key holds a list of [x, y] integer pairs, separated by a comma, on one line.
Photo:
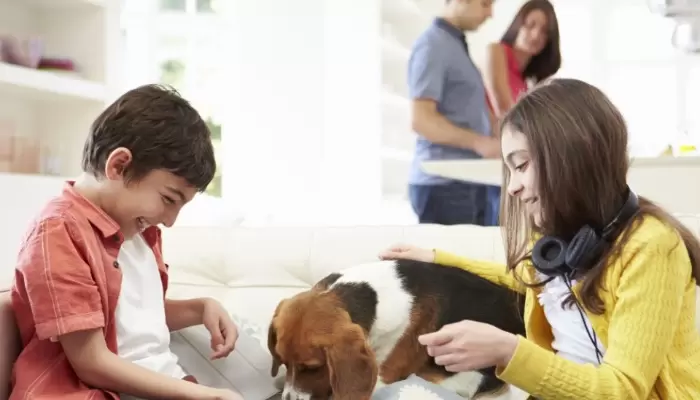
{"points": [[221, 327]]}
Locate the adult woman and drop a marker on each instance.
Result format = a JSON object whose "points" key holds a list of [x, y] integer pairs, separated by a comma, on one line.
{"points": [[629, 331], [527, 54]]}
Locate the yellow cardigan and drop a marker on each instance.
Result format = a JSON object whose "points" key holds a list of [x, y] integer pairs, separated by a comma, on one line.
{"points": [[648, 328]]}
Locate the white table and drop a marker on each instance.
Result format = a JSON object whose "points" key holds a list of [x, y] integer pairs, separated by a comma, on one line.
{"points": [[673, 182]]}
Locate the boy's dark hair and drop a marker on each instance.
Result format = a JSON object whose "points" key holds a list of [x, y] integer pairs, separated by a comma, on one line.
{"points": [[162, 131]]}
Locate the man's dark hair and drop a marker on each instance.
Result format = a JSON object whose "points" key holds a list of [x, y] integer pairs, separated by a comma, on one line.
{"points": [[162, 131]]}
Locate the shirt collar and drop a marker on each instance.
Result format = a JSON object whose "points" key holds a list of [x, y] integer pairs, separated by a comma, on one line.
{"points": [[449, 28], [100, 220]]}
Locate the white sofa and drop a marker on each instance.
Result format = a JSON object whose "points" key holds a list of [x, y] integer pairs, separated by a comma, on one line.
{"points": [[251, 269]]}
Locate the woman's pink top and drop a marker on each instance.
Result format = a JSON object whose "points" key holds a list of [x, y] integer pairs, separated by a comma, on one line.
{"points": [[516, 82], [515, 76]]}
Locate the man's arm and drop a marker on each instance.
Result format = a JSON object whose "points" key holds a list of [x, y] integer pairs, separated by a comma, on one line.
{"points": [[426, 80], [97, 366], [429, 123], [181, 314]]}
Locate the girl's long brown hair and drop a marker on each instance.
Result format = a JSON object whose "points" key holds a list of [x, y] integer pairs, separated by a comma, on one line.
{"points": [[578, 144]]}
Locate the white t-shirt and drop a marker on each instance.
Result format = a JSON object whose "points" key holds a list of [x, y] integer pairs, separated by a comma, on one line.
{"points": [[143, 336], [570, 338]]}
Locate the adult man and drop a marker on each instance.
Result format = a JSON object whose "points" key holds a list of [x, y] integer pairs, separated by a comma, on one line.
{"points": [[450, 116]]}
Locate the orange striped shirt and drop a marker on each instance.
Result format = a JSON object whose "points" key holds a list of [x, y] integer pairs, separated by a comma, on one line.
{"points": [[67, 279]]}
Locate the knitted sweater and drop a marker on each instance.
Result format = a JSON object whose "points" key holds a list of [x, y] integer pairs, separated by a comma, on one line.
{"points": [[648, 327]]}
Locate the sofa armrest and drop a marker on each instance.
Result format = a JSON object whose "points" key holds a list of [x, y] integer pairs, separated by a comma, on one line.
{"points": [[9, 343]]}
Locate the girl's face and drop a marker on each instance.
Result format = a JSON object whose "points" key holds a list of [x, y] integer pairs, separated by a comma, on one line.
{"points": [[522, 184], [533, 34]]}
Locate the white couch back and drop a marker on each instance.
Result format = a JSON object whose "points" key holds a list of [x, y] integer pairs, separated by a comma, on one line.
{"points": [[299, 256]]}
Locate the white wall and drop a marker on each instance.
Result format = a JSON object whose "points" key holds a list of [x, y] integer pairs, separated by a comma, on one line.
{"points": [[302, 134]]}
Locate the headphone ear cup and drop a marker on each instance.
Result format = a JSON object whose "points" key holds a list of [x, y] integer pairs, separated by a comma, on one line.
{"points": [[584, 249], [549, 256]]}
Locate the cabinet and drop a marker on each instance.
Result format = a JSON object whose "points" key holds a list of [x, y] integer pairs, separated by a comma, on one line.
{"points": [[45, 114], [402, 22]]}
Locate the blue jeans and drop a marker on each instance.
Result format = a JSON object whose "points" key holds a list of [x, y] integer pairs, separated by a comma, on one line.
{"points": [[493, 198], [455, 203]]}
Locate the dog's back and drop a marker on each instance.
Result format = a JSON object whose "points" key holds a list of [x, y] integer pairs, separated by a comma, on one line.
{"points": [[463, 295], [395, 301], [460, 295]]}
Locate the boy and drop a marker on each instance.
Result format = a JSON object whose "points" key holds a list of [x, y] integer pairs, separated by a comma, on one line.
{"points": [[89, 291]]}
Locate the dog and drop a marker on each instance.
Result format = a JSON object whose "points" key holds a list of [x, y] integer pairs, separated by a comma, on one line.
{"points": [[357, 330]]}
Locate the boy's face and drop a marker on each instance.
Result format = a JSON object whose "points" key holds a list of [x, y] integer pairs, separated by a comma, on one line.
{"points": [[154, 199]]}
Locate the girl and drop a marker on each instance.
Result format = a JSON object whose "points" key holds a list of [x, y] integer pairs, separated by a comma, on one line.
{"points": [[609, 278], [527, 54]]}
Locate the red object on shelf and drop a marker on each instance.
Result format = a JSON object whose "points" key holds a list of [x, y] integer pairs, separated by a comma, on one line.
{"points": [[57, 63]]}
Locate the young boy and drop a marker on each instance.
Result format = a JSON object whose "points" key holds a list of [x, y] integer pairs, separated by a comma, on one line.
{"points": [[89, 293]]}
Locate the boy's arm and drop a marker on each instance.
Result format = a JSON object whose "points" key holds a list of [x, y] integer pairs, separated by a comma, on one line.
{"points": [[66, 306], [181, 314], [9, 343], [97, 366]]}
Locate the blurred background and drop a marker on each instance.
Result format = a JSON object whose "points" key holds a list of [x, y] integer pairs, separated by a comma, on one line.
{"points": [[307, 99]]}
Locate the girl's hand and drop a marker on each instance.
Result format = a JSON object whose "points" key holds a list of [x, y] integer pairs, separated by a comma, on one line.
{"points": [[407, 252], [469, 345]]}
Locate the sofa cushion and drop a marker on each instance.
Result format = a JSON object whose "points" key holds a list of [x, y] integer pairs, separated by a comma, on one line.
{"points": [[255, 304]]}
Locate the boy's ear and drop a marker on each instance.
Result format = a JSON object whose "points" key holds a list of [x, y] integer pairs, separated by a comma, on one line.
{"points": [[116, 163]]}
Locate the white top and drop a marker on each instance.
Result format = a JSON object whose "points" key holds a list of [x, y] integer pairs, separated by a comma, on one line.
{"points": [[570, 338], [143, 336]]}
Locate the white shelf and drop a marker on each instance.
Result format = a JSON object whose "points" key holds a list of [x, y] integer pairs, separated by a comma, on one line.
{"points": [[389, 153], [394, 100], [401, 9], [46, 85], [56, 4], [51, 111], [401, 23], [395, 50]]}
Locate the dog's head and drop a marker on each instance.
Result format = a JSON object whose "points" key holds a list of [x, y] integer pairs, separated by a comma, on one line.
{"points": [[325, 353]]}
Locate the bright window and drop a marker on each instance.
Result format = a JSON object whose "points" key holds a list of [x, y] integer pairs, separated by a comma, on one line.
{"points": [[175, 42]]}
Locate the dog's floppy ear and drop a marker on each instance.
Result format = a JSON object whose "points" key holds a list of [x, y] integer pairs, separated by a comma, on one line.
{"points": [[351, 364], [272, 342]]}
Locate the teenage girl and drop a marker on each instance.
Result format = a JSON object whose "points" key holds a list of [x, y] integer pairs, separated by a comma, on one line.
{"points": [[609, 277]]}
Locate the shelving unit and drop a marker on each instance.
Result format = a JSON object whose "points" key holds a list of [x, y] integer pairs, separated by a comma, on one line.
{"points": [[402, 22], [56, 108]]}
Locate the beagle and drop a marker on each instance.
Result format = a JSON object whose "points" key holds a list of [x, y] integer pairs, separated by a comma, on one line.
{"points": [[357, 330]]}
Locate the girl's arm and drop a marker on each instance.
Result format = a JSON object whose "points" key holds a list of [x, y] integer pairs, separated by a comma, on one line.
{"points": [[98, 367], [496, 74], [647, 312], [490, 270]]}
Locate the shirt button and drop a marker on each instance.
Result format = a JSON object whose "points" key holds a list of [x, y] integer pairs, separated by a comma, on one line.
{"points": [[116, 264]]}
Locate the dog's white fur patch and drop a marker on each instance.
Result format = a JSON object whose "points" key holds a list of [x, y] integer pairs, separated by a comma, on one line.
{"points": [[291, 392], [394, 304], [464, 384]]}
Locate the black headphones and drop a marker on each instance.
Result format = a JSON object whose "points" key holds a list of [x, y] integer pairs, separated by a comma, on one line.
{"points": [[553, 256]]}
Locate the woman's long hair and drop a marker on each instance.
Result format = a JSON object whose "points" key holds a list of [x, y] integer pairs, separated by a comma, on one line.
{"points": [[548, 61]]}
